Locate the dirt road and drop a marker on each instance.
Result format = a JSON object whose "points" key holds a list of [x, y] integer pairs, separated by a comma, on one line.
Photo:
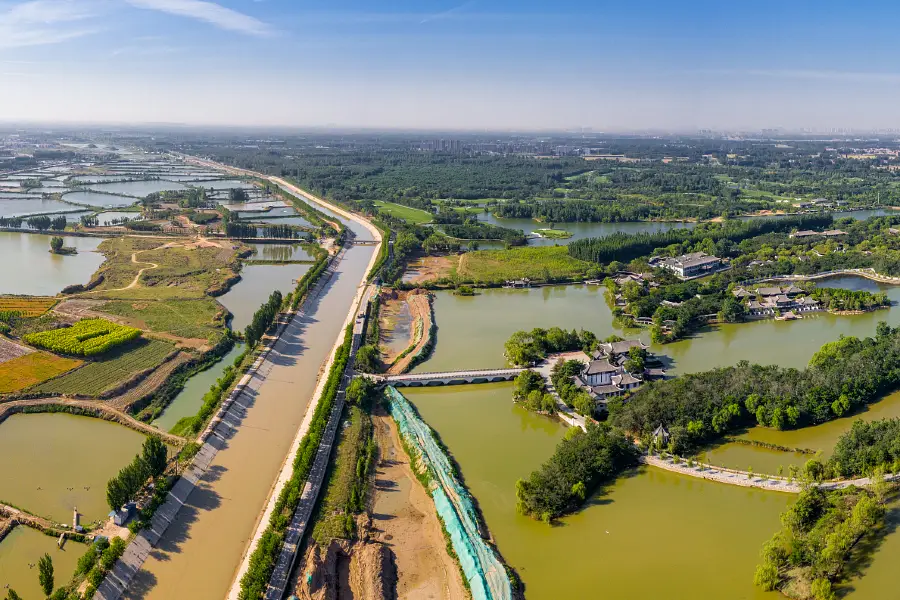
{"points": [[404, 518]]}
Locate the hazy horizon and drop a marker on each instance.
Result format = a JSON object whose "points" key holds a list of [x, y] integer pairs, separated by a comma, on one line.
{"points": [[473, 66]]}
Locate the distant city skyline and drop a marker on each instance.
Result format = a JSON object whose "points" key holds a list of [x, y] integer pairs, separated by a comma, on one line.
{"points": [[612, 67]]}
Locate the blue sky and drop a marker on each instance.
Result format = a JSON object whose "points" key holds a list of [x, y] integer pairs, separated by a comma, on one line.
{"points": [[476, 64]]}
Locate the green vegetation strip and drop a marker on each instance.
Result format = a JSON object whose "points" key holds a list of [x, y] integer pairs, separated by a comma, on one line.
{"points": [[264, 557], [541, 264], [842, 377]]}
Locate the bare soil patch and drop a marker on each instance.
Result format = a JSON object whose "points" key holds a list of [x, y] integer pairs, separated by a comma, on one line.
{"points": [[404, 519], [10, 350], [429, 268]]}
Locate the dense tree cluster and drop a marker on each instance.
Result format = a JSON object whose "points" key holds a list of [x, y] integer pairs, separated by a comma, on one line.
{"points": [[818, 534], [866, 447], [841, 377], [531, 347], [581, 462], [151, 462], [263, 318]]}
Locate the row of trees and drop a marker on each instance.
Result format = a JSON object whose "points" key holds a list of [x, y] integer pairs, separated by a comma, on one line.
{"points": [[696, 408], [263, 319], [151, 462]]}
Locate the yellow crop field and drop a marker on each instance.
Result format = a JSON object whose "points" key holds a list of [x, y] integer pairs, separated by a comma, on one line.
{"points": [[26, 306], [25, 371]]}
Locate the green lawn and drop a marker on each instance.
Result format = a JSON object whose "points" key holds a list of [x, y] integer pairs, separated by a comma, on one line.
{"points": [[538, 264], [410, 215]]}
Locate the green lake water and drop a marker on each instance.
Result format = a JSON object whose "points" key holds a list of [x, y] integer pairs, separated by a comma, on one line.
{"points": [[256, 285], [28, 266], [718, 550], [25, 546], [190, 399], [714, 531], [55, 462]]}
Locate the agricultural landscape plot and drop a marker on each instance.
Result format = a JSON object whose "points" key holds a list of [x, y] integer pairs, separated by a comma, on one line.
{"points": [[32, 368], [26, 306], [89, 337], [114, 369]]}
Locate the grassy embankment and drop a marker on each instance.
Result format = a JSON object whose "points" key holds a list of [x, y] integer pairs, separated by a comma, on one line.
{"points": [[347, 482], [492, 267], [414, 216]]}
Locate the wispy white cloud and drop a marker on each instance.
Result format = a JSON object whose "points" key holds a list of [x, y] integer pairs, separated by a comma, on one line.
{"points": [[41, 22], [808, 74], [209, 12], [447, 13]]}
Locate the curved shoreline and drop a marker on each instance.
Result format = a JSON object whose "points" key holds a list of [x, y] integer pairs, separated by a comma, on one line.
{"points": [[87, 408]]}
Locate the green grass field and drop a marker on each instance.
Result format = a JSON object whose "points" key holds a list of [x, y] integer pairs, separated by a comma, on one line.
{"points": [[410, 215], [118, 366], [538, 264], [196, 319]]}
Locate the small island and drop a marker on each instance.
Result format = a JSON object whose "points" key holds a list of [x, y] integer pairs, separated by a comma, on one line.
{"points": [[553, 234], [56, 247]]}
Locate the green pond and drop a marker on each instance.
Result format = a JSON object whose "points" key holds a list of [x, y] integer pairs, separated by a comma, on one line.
{"points": [[710, 533], [472, 329], [256, 284], [55, 462], [28, 266], [25, 546], [190, 399]]}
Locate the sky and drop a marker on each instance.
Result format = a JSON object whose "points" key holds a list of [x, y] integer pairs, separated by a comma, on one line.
{"points": [[531, 65]]}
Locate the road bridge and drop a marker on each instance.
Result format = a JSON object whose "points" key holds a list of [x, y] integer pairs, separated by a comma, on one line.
{"points": [[449, 377]]}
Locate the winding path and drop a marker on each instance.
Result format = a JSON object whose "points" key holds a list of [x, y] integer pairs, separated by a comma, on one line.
{"points": [[137, 277]]}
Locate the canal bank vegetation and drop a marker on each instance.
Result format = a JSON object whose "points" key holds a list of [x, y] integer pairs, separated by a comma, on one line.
{"points": [[348, 483], [263, 559], [820, 532], [842, 377], [582, 461]]}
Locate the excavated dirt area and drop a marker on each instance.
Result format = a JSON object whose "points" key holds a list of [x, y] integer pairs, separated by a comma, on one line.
{"points": [[402, 552]]}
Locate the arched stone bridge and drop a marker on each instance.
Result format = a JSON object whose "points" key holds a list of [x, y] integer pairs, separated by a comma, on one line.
{"points": [[448, 378]]}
